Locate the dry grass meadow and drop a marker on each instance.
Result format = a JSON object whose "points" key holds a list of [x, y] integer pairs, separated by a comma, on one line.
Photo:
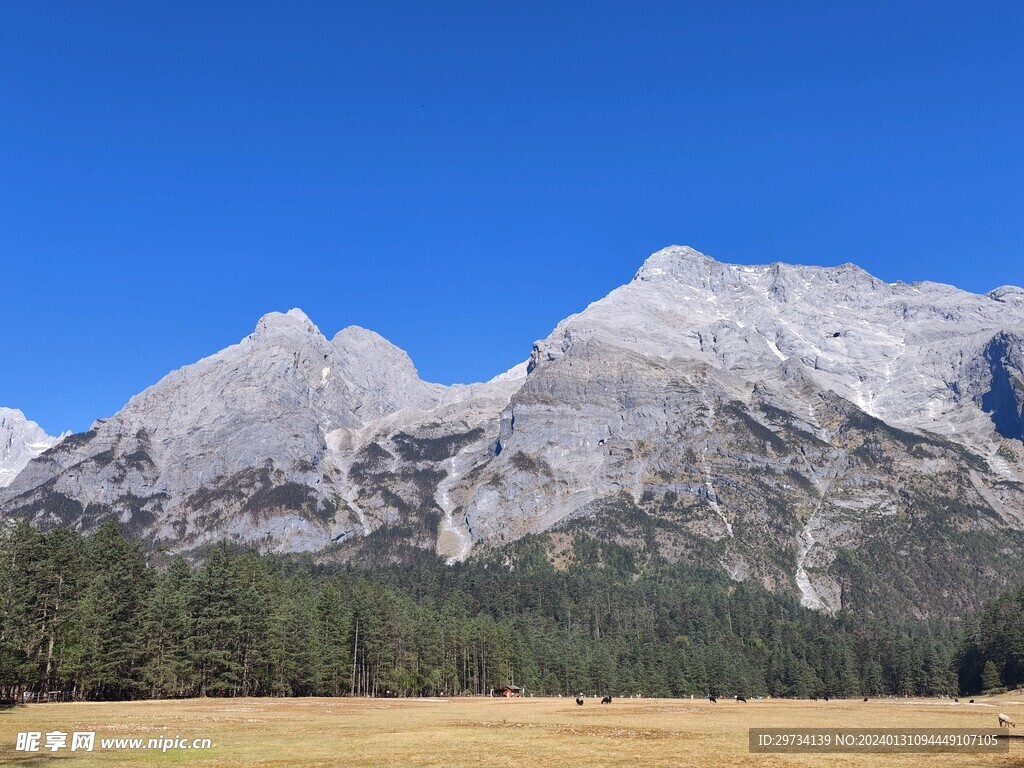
{"points": [[653, 733]]}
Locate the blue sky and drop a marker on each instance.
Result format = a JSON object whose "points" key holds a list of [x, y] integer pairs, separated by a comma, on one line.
{"points": [[460, 176]]}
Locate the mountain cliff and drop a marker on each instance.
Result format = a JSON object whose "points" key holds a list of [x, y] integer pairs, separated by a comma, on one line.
{"points": [[828, 434], [21, 441]]}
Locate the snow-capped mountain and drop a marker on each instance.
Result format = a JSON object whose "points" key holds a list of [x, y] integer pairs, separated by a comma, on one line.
{"points": [[816, 429], [21, 441]]}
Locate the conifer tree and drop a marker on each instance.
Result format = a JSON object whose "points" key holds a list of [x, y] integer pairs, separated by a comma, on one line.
{"points": [[168, 670], [108, 644], [990, 676], [216, 625]]}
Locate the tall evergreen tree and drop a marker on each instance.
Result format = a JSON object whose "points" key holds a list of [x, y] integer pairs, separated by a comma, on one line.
{"points": [[215, 635], [168, 671], [990, 677], [108, 645]]}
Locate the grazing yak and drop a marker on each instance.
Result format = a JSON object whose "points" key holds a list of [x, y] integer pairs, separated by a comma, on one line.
{"points": [[579, 700], [741, 698], [713, 699], [606, 700], [1005, 720]]}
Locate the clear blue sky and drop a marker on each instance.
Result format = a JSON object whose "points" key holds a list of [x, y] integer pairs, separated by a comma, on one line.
{"points": [[460, 176]]}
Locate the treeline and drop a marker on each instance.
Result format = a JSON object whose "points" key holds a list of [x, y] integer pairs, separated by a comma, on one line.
{"points": [[992, 654], [90, 617]]}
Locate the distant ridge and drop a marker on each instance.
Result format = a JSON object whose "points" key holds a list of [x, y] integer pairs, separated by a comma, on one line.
{"points": [[21, 441]]}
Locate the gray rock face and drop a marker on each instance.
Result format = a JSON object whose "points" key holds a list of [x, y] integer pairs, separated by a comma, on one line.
{"points": [[647, 391], [901, 352], [1002, 384], [818, 430], [232, 446], [21, 441]]}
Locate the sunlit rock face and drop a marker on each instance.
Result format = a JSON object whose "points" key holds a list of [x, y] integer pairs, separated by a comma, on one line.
{"points": [[830, 435], [21, 441]]}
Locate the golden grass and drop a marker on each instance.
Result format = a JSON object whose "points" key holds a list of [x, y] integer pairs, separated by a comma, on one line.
{"points": [[654, 733]]}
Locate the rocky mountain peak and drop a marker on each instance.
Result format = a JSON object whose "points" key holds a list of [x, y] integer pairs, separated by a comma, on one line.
{"points": [[366, 344], [21, 440], [679, 262], [897, 351], [685, 266], [277, 323], [775, 420], [1007, 293]]}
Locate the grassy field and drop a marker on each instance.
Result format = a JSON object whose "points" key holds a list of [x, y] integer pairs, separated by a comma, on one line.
{"points": [[489, 732]]}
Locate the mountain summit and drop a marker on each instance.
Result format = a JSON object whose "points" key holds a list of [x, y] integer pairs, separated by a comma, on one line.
{"points": [[21, 441], [821, 431]]}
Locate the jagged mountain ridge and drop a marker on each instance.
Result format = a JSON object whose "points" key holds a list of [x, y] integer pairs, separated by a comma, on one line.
{"points": [[812, 428], [244, 444], [21, 441]]}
